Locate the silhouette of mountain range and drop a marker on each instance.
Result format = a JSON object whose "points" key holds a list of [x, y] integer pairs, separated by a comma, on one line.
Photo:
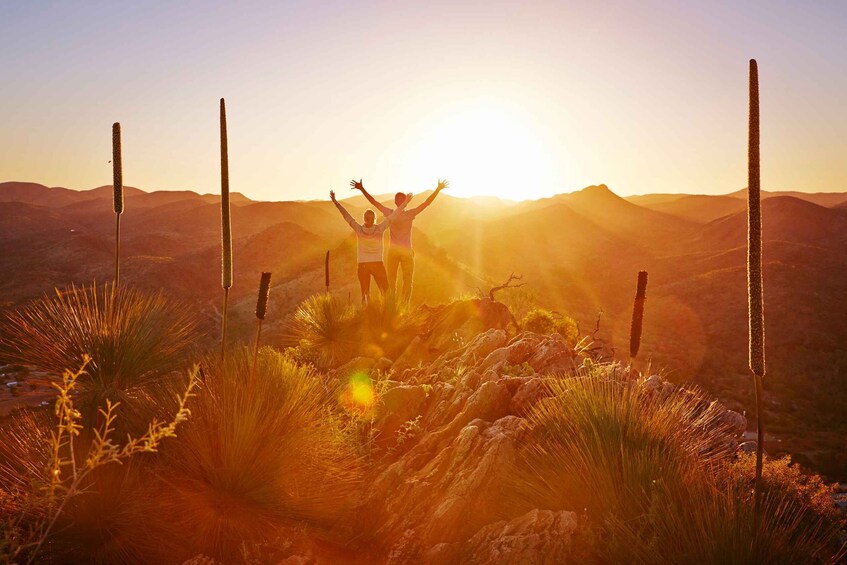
{"points": [[578, 252]]}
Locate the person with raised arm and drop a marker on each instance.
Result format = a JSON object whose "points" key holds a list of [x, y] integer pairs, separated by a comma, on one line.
{"points": [[400, 253], [369, 243]]}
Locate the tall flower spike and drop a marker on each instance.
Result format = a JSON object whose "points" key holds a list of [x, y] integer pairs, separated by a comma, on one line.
{"points": [[118, 193], [264, 291], [226, 225], [117, 169], [326, 271], [637, 314], [226, 229], [754, 233], [755, 299]]}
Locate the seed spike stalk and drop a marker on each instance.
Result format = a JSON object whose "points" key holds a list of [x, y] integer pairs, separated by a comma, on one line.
{"points": [[637, 315], [261, 310], [755, 296], [226, 227], [326, 271], [118, 190]]}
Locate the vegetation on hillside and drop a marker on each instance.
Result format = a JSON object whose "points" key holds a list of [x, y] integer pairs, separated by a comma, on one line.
{"points": [[271, 461]]}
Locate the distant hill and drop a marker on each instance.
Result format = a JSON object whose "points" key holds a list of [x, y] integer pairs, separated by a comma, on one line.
{"points": [[705, 208], [578, 253], [694, 207]]}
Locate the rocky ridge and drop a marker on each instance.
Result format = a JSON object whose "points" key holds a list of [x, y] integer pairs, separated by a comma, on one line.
{"points": [[448, 434]]}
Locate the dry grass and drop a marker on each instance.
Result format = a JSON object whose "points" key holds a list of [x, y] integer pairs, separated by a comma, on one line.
{"points": [[261, 453], [325, 329], [650, 471], [66, 491], [133, 338]]}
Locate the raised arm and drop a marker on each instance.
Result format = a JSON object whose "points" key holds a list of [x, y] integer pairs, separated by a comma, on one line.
{"points": [[357, 185], [350, 220], [442, 184]]}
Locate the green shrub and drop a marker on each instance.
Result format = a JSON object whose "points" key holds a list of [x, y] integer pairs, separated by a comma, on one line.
{"points": [[543, 321]]}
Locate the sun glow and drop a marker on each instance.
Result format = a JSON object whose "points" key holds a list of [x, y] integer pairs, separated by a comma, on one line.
{"points": [[485, 148]]}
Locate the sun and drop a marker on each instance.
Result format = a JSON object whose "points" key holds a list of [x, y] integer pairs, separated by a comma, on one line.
{"points": [[485, 148]]}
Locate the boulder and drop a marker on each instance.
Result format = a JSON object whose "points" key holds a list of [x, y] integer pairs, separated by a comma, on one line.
{"points": [[495, 360], [736, 422], [748, 447], [467, 469], [553, 355], [527, 395], [521, 351], [539, 536], [412, 356], [383, 365], [397, 405], [482, 345]]}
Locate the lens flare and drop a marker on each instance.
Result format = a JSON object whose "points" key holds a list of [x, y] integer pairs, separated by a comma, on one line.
{"points": [[359, 394]]}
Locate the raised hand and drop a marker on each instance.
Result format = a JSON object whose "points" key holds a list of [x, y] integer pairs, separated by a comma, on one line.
{"points": [[442, 184], [332, 195], [408, 198], [356, 184]]}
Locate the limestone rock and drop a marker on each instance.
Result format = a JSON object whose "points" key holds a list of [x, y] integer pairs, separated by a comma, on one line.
{"points": [[539, 536], [412, 356], [553, 355], [482, 345], [528, 394]]}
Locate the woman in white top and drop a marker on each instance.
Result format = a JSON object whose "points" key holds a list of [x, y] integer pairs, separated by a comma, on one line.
{"points": [[369, 253]]}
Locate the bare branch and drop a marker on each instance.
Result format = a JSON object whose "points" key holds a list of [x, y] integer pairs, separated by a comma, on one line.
{"points": [[507, 284]]}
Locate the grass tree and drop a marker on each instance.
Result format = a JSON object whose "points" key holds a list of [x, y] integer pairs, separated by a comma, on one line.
{"points": [[133, 338], [754, 275], [226, 228], [253, 460], [118, 186]]}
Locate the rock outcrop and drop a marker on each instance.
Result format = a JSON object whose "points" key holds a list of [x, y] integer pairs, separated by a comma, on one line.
{"points": [[450, 427]]}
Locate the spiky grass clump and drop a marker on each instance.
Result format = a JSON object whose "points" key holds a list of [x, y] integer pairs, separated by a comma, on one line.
{"points": [[133, 338], [650, 471], [387, 326], [261, 452], [605, 440], [325, 329]]}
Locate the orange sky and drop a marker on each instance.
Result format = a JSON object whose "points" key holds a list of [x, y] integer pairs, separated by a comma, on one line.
{"points": [[518, 100]]}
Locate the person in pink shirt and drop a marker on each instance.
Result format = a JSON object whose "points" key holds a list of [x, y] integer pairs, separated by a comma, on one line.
{"points": [[400, 253]]}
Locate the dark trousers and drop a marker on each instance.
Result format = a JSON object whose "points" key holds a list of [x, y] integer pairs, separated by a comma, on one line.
{"points": [[375, 269]]}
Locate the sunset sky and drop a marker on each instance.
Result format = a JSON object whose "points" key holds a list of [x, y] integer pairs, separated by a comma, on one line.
{"points": [[517, 100]]}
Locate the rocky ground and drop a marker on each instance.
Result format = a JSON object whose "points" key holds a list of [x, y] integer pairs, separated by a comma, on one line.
{"points": [[447, 436]]}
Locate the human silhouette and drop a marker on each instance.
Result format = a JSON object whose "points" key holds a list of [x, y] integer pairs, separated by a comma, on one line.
{"points": [[369, 244], [400, 253]]}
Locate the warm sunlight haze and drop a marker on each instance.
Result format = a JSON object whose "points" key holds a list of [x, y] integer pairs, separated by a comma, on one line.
{"points": [[401, 283], [503, 99]]}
